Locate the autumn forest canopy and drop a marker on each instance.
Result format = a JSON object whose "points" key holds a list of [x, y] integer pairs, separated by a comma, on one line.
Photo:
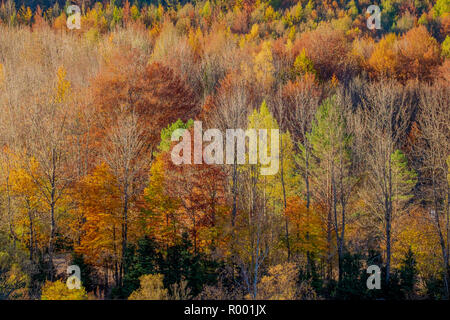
{"points": [[87, 178]]}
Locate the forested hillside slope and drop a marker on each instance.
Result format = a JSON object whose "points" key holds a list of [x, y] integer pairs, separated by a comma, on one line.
{"points": [[87, 176]]}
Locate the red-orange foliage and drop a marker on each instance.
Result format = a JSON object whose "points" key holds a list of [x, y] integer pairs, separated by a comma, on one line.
{"points": [[187, 198], [307, 226], [154, 91], [328, 49], [99, 204], [419, 54], [39, 21], [415, 55]]}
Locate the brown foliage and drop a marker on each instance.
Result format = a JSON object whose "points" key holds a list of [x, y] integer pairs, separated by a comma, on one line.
{"points": [[328, 48], [419, 54]]}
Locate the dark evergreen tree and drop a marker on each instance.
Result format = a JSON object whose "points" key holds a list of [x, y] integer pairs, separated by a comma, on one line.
{"points": [[408, 275], [140, 259], [88, 274], [352, 284], [181, 263]]}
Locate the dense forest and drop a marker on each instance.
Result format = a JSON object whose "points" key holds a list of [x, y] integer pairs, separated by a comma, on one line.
{"points": [[87, 118]]}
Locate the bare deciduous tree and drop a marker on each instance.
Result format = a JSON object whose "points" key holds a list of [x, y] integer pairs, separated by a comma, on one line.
{"points": [[432, 151], [124, 152], [384, 119]]}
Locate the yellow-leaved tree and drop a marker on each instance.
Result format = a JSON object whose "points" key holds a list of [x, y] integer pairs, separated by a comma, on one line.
{"points": [[263, 194], [58, 290], [152, 288], [383, 61], [281, 284], [99, 203], [263, 66]]}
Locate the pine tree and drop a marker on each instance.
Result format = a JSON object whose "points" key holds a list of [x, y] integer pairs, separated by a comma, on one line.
{"points": [[408, 275]]}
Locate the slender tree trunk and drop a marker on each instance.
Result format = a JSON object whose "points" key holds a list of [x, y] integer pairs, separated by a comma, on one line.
{"points": [[442, 242], [10, 217], [51, 239], [329, 226], [336, 225], [116, 265], [124, 233], [194, 222], [234, 191], [446, 262], [388, 217], [283, 185], [388, 239], [30, 217], [342, 241], [52, 214], [308, 205]]}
